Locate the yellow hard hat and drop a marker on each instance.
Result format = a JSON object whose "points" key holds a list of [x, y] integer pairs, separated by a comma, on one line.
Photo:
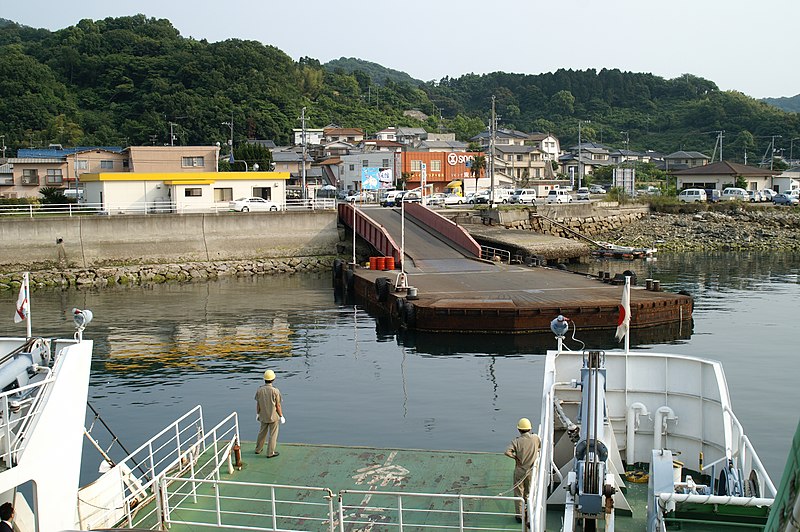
{"points": [[524, 424], [269, 375]]}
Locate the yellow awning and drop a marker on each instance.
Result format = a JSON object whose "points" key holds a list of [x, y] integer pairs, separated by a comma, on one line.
{"points": [[454, 183]]}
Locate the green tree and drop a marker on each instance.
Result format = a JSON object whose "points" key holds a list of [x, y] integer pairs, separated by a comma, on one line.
{"points": [[477, 168]]}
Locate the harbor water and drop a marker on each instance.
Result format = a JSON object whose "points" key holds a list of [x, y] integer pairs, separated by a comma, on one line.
{"points": [[347, 378]]}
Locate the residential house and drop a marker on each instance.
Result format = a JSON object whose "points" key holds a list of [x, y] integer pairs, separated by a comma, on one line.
{"points": [[411, 136], [444, 146], [342, 134], [390, 133], [314, 137], [724, 174], [502, 137], [381, 145], [169, 159], [547, 143], [681, 160], [443, 170]]}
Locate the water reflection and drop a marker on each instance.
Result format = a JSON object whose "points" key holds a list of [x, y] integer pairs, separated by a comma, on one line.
{"points": [[348, 377]]}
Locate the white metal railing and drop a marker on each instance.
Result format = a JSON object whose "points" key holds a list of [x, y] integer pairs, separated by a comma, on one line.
{"points": [[748, 459], [150, 207], [428, 511], [18, 414], [218, 503], [490, 253]]}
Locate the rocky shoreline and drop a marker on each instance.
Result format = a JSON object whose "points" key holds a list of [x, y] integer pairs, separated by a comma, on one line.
{"points": [[163, 273], [738, 229]]}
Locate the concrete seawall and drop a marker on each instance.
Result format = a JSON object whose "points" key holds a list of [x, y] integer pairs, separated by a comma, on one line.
{"points": [[161, 239]]}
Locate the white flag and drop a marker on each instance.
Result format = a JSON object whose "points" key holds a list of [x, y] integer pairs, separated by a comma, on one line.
{"points": [[624, 321], [22, 304]]}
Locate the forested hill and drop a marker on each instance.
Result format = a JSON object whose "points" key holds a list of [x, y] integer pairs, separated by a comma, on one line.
{"points": [[791, 104], [121, 81]]}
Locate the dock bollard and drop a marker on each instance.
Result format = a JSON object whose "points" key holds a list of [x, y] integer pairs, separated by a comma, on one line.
{"points": [[412, 293], [648, 284], [656, 285], [606, 277]]}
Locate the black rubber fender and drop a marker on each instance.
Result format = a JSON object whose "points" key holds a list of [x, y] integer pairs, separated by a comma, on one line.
{"points": [[382, 289], [338, 266], [410, 314], [349, 280], [400, 308]]}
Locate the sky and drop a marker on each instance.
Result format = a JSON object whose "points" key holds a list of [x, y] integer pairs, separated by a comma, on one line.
{"points": [[740, 45]]}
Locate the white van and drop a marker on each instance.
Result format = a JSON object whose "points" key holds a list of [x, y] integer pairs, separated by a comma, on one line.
{"points": [[559, 196], [503, 195], [733, 193], [524, 195], [692, 194]]}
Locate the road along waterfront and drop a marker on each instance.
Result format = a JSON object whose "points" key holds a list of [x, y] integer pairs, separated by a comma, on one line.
{"points": [[349, 379]]}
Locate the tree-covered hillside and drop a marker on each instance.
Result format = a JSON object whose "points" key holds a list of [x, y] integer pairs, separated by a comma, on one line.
{"points": [[790, 104], [121, 81]]}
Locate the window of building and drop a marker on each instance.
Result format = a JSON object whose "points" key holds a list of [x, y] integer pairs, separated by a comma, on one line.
{"points": [[385, 163], [364, 163], [81, 164], [193, 192], [125, 163], [352, 168], [416, 165], [54, 176], [30, 177], [193, 161], [519, 157], [436, 165], [223, 194], [106, 165]]}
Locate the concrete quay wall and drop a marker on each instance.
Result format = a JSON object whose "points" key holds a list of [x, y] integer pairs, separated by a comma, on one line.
{"points": [[97, 241], [564, 220]]}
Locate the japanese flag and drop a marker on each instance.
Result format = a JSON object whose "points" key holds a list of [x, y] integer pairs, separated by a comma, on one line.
{"points": [[624, 321], [22, 304]]}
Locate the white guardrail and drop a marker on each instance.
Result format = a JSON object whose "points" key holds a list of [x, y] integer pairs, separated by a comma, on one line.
{"points": [[150, 207]]}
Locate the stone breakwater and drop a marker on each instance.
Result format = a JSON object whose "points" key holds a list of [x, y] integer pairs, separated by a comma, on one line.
{"points": [[775, 229], [162, 273], [566, 227]]}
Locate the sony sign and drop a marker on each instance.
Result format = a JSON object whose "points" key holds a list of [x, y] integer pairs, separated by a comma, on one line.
{"points": [[458, 158]]}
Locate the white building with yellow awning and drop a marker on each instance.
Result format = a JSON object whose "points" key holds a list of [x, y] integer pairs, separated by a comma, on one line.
{"points": [[119, 192]]}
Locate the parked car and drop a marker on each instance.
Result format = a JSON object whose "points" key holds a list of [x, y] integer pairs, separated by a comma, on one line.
{"points": [[360, 197], [559, 196], [436, 199], [755, 196], [690, 195], [454, 199], [597, 189], [733, 193], [252, 204], [389, 199], [481, 197], [768, 194], [524, 195], [713, 195], [409, 196], [785, 199], [583, 194]]}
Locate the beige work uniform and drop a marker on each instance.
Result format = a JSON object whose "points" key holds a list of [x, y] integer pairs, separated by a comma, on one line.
{"points": [[268, 398], [525, 448]]}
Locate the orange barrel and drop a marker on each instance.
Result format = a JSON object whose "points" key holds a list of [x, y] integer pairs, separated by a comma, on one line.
{"points": [[380, 263], [373, 263], [389, 263]]}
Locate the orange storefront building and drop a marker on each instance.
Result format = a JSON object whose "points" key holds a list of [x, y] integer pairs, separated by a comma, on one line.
{"points": [[443, 170]]}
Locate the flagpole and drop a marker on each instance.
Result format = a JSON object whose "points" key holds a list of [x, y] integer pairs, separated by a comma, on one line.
{"points": [[628, 298], [27, 283]]}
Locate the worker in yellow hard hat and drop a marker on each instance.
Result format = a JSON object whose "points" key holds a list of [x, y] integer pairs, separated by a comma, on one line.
{"points": [[523, 449], [269, 412]]}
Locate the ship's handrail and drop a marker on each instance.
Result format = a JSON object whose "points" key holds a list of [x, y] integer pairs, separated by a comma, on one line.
{"points": [[211, 502], [180, 497], [748, 459], [537, 498], [13, 430], [186, 457], [460, 515]]}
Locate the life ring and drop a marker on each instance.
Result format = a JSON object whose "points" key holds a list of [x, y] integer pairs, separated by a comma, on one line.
{"points": [[382, 289]]}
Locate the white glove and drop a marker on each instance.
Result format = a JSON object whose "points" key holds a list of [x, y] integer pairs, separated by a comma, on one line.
{"points": [[283, 420]]}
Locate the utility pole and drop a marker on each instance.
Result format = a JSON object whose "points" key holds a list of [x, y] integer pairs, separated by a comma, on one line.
{"points": [[171, 134], [580, 153], [3, 137], [230, 141], [627, 143], [492, 132], [303, 125], [791, 149]]}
